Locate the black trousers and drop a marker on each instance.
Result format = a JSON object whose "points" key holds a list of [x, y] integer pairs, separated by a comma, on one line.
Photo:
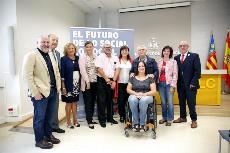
{"points": [[90, 96], [105, 101], [122, 98], [186, 94]]}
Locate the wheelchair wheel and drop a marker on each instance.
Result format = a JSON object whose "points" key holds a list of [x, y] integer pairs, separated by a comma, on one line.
{"points": [[126, 133], [153, 135]]}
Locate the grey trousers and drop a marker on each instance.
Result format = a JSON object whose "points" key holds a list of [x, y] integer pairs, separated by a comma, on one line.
{"points": [[55, 120]]}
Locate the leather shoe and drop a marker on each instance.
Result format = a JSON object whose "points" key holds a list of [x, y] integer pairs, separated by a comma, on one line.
{"points": [[44, 144], [180, 120], [59, 130], [194, 124], [103, 125], [91, 126], [113, 121], [52, 139], [122, 119], [93, 122], [168, 123], [162, 121]]}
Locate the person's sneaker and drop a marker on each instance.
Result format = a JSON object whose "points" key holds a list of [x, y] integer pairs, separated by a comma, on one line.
{"points": [[44, 144], [135, 128], [142, 128], [59, 130], [52, 139]]}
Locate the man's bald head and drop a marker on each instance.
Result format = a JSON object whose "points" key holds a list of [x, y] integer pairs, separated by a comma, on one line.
{"points": [[43, 43], [183, 46]]}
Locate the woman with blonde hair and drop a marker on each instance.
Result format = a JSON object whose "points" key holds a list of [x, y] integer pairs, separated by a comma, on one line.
{"points": [[70, 76]]}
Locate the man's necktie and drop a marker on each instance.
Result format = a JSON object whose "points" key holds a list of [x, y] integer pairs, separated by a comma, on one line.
{"points": [[54, 54], [182, 58]]}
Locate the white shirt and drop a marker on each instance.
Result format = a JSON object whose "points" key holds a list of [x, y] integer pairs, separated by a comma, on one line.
{"points": [[108, 64], [185, 55], [125, 68]]}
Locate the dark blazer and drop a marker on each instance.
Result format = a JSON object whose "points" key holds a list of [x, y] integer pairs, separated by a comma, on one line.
{"points": [[151, 65], [189, 72], [67, 68]]}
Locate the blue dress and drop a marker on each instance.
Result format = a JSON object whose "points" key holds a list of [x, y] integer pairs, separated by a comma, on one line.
{"points": [[70, 73]]}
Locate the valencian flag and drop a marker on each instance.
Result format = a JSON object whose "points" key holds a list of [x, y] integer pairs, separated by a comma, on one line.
{"points": [[211, 61], [226, 65]]}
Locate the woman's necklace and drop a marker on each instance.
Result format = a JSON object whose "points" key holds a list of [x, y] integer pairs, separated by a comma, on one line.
{"points": [[125, 61]]}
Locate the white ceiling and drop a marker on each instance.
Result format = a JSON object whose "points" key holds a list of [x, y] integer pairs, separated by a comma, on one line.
{"points": [[111, 5]]}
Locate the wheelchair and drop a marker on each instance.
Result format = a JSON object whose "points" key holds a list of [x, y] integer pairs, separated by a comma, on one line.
{"points": [[151, 119]]}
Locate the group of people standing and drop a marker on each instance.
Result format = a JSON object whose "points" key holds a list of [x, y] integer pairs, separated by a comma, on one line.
{"points": [[99, 77]]}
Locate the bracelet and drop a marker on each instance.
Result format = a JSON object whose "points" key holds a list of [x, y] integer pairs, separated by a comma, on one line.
{"points": [[63, 88]]}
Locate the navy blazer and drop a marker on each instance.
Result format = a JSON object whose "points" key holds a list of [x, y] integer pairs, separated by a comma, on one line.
{"points": [[67, 68], [151, 65], [189, 72]]}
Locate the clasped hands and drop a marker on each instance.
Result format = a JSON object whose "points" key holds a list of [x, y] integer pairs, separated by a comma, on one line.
{"points": [[139, 95], [111, 83]]}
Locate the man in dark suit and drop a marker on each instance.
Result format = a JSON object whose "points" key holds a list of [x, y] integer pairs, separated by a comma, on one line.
{"points": [[189, 73], [56, 55]]}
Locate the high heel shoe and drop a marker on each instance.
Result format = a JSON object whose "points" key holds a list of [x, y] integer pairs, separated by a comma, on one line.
{"points": [[77, 125]]}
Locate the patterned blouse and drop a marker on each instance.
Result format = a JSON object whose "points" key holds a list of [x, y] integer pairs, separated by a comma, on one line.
{"points": [[91, 69]]}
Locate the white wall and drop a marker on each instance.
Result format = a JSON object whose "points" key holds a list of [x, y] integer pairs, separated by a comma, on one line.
{"points": [[7, 66], [168, 26], [33, 19], [108, 19], [207, 16]]}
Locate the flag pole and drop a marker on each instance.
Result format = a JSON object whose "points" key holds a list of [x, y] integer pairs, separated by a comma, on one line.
{"points": [[224, 91]]}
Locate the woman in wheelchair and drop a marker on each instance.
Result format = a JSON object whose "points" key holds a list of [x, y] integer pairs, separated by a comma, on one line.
{"points": [[141, 89]]}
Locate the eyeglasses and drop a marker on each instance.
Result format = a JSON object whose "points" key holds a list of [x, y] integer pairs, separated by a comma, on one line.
{"points": [[183, 46], [108, 47]]}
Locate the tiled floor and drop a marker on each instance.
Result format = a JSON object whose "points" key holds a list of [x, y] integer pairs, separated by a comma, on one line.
{"points": [[179, 138]]}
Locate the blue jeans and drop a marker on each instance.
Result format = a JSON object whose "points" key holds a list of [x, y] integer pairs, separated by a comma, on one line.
{"points": [[166, 101], [43, 115], [143, 105]]}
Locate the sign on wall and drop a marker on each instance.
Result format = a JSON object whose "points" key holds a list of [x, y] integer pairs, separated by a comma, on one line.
{"points": [[99, 36]]}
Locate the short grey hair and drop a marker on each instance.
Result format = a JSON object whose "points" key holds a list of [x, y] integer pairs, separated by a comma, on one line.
{"points": [[139, 47]]}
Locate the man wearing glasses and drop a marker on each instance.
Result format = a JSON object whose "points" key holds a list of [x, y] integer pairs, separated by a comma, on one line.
{"points": [[189, 73], [106, 64]]}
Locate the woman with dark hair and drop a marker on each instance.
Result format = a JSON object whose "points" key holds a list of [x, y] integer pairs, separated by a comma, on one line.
{"points": [[141, 89], [122, 72], [168, 74], [88, 81], [70, 76]]}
